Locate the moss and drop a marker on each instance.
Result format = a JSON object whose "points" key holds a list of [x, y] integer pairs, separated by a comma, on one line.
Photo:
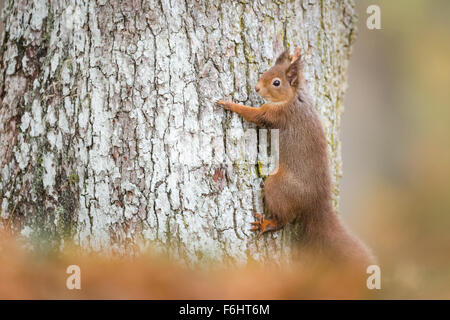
{"points": [[259, 167], [51, 224], [59, 220], [48, 28], [74, 179], [243, 168], [249, 58], [69, 65], [64, 222], [352, 36]]}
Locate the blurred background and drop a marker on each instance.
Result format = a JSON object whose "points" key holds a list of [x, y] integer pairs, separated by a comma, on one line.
{"points": [[395, 142]]}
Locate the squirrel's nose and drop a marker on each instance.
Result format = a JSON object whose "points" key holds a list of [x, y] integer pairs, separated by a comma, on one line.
{"points": [[257, 89]]}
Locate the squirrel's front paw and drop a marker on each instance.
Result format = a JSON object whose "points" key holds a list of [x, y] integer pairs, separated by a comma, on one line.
{"points": [[225, 104]]}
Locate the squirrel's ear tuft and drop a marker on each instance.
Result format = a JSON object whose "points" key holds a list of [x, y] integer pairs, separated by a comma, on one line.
{"points": [[283, 58], [293, 73]]}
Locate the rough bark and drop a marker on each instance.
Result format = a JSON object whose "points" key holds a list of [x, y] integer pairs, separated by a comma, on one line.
{"points": [[109, 134]]}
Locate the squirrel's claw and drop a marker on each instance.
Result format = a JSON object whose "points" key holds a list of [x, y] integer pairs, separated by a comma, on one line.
{"points": [[257, 224], [225, 104], [258, 216], [257, 228], [263, 225]]}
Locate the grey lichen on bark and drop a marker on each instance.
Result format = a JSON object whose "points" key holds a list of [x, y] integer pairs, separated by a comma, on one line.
{"points": [[109, 133]]}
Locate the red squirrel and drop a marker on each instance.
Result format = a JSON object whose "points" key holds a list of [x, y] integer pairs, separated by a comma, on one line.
{"points": [[300, 189]]}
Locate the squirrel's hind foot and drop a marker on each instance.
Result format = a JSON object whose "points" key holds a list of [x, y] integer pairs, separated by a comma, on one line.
{"points": [[262, 224]]}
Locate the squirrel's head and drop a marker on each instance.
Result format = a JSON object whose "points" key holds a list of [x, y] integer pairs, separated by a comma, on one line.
{"points": [[280, 83]]}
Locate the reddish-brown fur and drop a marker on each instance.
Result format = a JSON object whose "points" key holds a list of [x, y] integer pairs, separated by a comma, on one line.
{"points": [[301, 187]]}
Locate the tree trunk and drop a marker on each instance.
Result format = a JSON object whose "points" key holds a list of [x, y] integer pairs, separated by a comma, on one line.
{"points": [[109, 133]]}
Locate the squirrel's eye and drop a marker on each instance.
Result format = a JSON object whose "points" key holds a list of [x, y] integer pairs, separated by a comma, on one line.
{"points": [[276, 83]]}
